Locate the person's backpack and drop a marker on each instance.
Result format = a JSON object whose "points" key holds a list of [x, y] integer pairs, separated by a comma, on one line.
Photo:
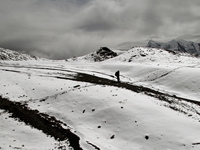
{"points": [[117, 73]]}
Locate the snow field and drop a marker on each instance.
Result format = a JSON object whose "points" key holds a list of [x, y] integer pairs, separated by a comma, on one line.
{"points": [[97, 113], [108, 117]]}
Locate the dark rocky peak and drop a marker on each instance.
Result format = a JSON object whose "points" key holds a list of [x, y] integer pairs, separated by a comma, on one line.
{"points": [[104, 51]]}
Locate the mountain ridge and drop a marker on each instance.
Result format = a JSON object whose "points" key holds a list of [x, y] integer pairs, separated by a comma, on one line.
{"points": [[177, 45], [6, 54], [101, 54]]}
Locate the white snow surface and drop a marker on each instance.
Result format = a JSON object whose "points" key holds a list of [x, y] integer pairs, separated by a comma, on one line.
{"points": [[109, 117]]}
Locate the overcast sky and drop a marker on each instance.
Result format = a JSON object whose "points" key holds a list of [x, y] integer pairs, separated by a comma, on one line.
{"points": [[60, 29]]}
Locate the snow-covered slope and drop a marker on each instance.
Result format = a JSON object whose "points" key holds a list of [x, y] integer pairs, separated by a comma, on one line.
{"points": [[154, 55], [6, 54], [102, 54], [177, 45], [155, 106]]}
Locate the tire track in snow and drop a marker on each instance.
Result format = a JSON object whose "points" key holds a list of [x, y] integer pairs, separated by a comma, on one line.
{"points": [[154, 76], [76, 87]]}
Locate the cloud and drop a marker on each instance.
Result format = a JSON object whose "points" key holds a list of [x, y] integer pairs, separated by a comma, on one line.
{"points": [[60, 29]]}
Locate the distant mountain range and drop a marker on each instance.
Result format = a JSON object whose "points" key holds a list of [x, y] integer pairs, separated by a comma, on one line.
{"points": [[104, 53], [177, 45]]}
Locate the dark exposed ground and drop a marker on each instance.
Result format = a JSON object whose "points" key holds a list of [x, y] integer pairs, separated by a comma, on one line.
{"points": [[48, 124]]}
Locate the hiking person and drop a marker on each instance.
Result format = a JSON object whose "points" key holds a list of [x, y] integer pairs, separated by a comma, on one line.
{"points": [[117, 74]]}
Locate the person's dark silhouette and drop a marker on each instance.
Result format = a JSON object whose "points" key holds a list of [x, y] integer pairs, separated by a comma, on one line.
{"points": [[117, 74]]}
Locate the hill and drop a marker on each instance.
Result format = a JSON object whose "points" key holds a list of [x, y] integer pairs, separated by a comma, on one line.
{"points": [[102, 54], [6, 54], [154, 55]]}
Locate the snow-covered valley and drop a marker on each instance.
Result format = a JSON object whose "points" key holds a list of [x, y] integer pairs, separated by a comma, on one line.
{"points": [[155, 106]]}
